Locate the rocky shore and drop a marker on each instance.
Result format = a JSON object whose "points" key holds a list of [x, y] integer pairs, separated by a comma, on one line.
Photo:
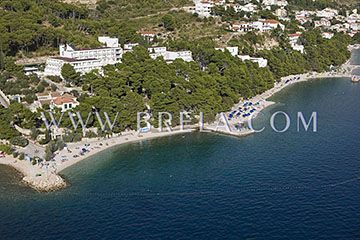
{"points": [[49, 183], [38, 179]]}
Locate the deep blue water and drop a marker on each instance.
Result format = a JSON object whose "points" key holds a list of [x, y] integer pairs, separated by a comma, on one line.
{"points": [[298, 185]]}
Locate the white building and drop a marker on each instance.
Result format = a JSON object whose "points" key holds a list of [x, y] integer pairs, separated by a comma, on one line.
{"points": [[355, 26], [294, 37], [46, 98], [327, 13], [267, 25], [128, 47], [148, 35], [203, 8], [298, 47], [261, 61], [280, 12], [55, 64], [262, 25], [241, 27], [280, 3], [109, 42], [294, 42], [64, 102], [250, 7], [233, 50], [323, 23], [352, 33], [110, 53], [169, 56], [219, 2], [86, 59], [327, 35], [353, 18]]}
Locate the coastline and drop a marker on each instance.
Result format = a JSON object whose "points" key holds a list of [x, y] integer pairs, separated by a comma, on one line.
{"points": [[48, 179], [263, 101]]}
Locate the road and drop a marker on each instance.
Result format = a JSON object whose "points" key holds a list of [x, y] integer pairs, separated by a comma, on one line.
{"points": [[33, 150], [3, 102]]}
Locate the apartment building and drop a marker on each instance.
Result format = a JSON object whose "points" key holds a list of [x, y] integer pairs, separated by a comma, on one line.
{"points": [[85, 59]]}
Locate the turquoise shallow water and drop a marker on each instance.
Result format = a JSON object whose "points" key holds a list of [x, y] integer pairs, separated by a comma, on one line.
{"points": [[299, 185]]}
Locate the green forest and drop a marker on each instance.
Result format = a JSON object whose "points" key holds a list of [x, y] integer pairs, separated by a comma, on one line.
{"points": [[212, 83]]}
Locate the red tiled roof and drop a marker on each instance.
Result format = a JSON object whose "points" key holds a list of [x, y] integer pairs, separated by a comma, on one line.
{"points": [[271, 21], [147, 32], [294, 34], [240, 23], [63, 99]]}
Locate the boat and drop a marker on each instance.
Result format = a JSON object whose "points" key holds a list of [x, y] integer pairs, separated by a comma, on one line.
{"points": [[355, 79]]}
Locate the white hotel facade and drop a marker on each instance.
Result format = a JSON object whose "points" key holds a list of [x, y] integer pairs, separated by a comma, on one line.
{"points": [[86, 59], [169, 56], [234, 51]]}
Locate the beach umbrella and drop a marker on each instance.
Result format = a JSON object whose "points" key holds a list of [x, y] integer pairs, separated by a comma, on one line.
{"points": [[231, 116], [238, 114]]}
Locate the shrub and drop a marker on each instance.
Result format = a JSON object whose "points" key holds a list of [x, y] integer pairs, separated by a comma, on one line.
{"points": [[22, 156], [46, 140], [6, 149], [56, 79], [34, 162], [53, 87], [90, 134], [72, 137], [15, 154], [46, 106], [40, 89], [19, 141], [60, 144]]}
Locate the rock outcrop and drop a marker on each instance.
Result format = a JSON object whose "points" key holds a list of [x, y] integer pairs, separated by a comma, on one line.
{"points": [[46, 183]]}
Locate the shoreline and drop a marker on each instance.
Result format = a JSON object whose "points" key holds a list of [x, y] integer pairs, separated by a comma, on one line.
{"points": [[285, 82], [46, 178]]}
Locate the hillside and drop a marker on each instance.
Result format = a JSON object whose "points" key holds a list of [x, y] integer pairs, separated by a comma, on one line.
{"points": [[90, 2]]}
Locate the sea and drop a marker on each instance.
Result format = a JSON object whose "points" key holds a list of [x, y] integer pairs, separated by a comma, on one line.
{"points": [[292, 185]]}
